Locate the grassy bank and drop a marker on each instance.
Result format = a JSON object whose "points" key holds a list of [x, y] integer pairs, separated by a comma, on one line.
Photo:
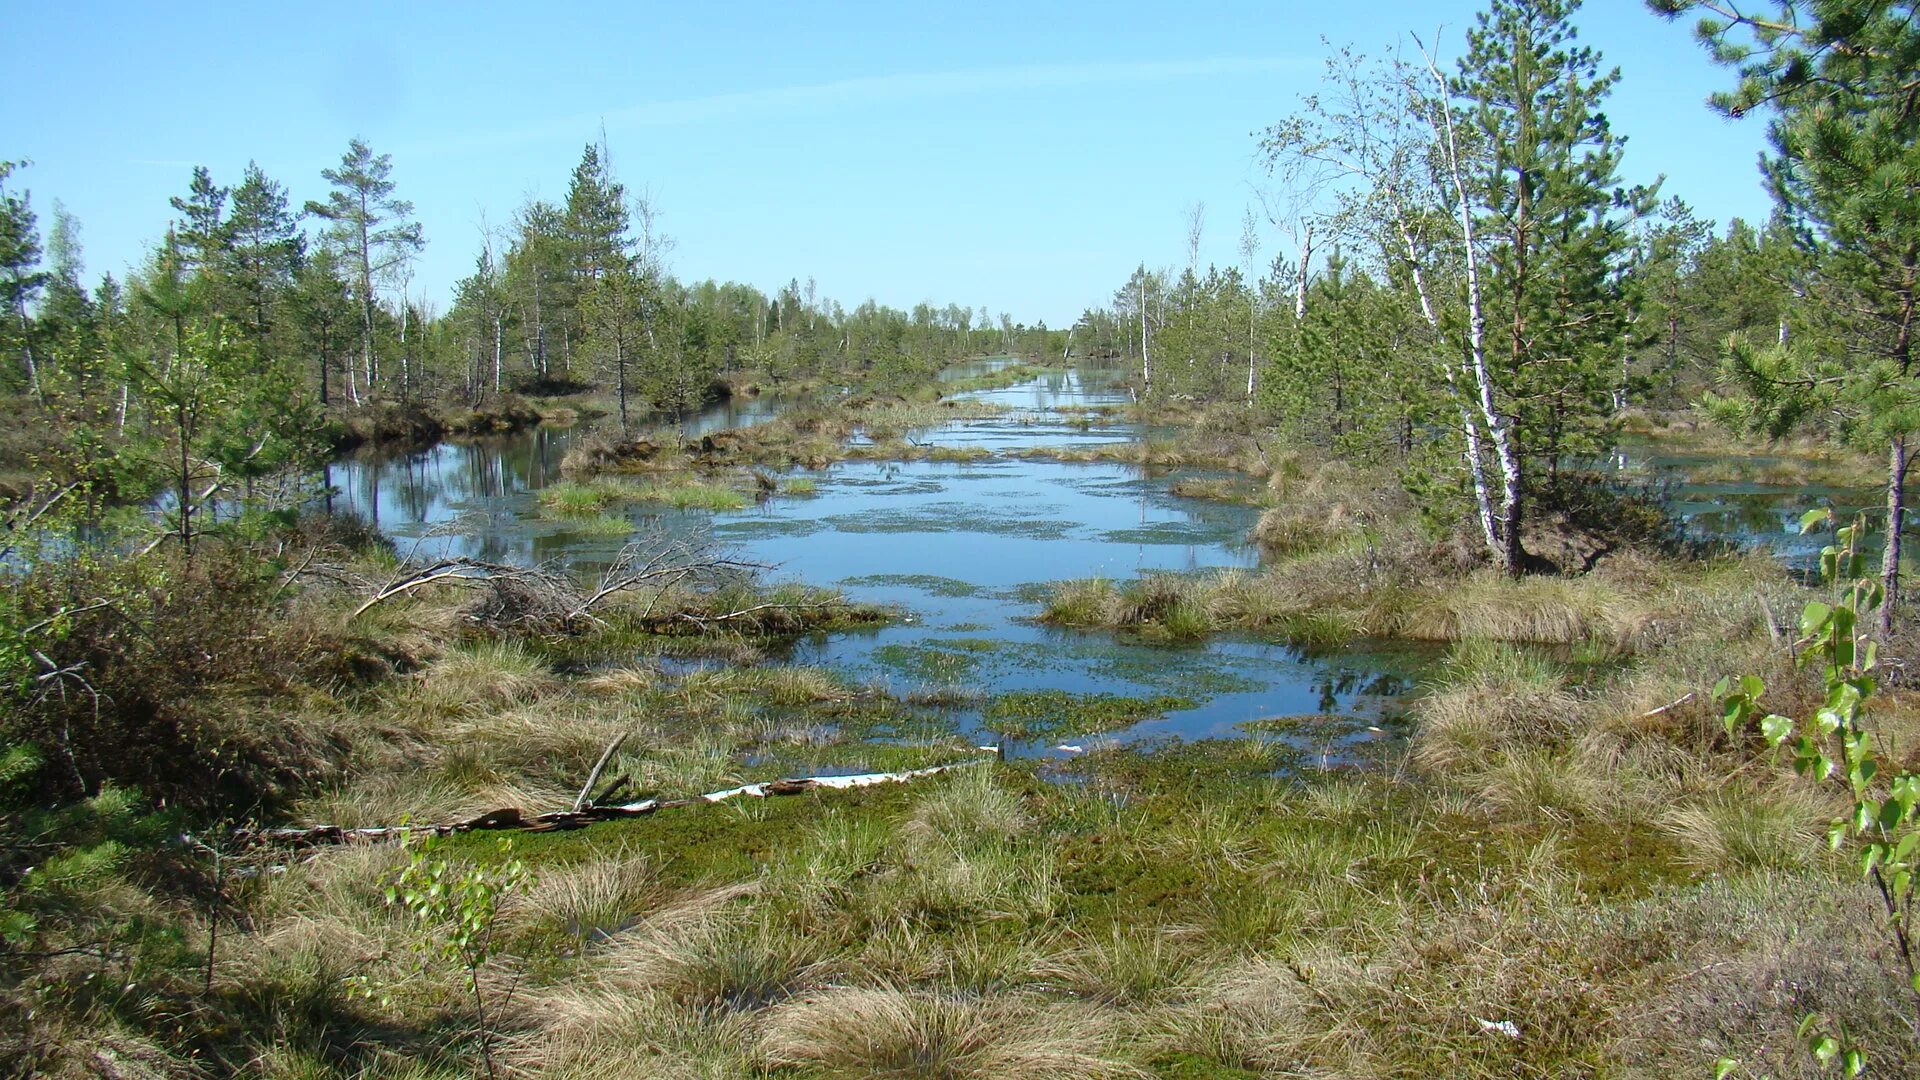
{"points": [[1567, 868]]}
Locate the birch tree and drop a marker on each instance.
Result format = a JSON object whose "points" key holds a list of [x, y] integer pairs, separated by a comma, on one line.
{"points": [[1385, 140], [1544, 187]]}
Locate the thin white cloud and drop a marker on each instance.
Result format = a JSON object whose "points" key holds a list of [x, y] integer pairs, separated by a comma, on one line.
{"points": [[879, 89], [935, 84]]}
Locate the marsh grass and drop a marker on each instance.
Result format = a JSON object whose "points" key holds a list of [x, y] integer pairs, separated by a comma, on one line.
{"points": [[593, 899], [899, 1032], [1568, 844], [603, 525], [569, 498], [1128, 968], [484, 675], [1779, 829]]}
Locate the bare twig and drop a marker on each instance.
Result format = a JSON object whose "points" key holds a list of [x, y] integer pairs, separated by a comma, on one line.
{"points": [[586, 790], [439, 571]]}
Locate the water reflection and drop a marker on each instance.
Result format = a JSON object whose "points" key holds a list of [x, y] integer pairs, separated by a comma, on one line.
{"points": [[1722, 499], [963, 547]]}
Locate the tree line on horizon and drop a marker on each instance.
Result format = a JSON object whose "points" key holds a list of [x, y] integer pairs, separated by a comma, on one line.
{"points": [[315, 305]]}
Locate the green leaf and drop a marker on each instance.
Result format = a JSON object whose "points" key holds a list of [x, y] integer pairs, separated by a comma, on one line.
{"points": [[1814, 617], [1813, 519], [1776, 728], [1824, 1048]]}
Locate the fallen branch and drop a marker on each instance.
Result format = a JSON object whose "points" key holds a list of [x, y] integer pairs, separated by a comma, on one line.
{"points": [[586, 790], [547, 598], [439, 571], [1674, 704], [513, 819]]}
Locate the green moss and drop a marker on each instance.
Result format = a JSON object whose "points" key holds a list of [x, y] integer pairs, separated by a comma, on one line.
{"points": [[1195, 1067], [700, 844]]}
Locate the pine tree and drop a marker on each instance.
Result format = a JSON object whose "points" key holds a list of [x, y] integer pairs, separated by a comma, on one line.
{"points": [[202, 229], [265, 249], [323, 313], [613, 287], [371, 228], [20, 276], [1551, 206]]}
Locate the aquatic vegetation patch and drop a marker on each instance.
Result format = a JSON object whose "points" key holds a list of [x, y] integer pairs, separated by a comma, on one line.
{"points": [[1047, 714], [1169, 532], [570, 498], [1216, 489], [1208, 673], [951, 517], [608, 525], [927, 662], [927, 583], [749, 527], [1300, 723], [695, 496]]}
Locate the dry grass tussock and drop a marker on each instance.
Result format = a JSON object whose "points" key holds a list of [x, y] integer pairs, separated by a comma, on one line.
{"points": [[1127, 967], [1502, 983], [904, 1032], [1743, 828], [969, 810], [1538, 610], [594, 1033], [1750, 956], [1323, 504], [483, 676], [1252, 1014], [1491, 697], [596, 898]]}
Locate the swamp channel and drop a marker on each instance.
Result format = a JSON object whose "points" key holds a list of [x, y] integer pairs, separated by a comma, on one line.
{"points": [[965, 550]]}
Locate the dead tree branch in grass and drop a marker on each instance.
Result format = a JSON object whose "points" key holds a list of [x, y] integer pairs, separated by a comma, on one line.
{"points": [[547, 598]]}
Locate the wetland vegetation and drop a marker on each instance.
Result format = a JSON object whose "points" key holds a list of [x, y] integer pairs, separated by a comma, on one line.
{"points": [[1441, 655]]}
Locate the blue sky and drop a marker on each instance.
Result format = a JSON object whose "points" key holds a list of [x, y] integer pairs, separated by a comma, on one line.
{"points": [[1021, 156]]}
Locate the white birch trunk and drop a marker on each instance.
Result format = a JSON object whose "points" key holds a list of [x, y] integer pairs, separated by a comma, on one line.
{"points": [[1508, 549], [1469, 427]]}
